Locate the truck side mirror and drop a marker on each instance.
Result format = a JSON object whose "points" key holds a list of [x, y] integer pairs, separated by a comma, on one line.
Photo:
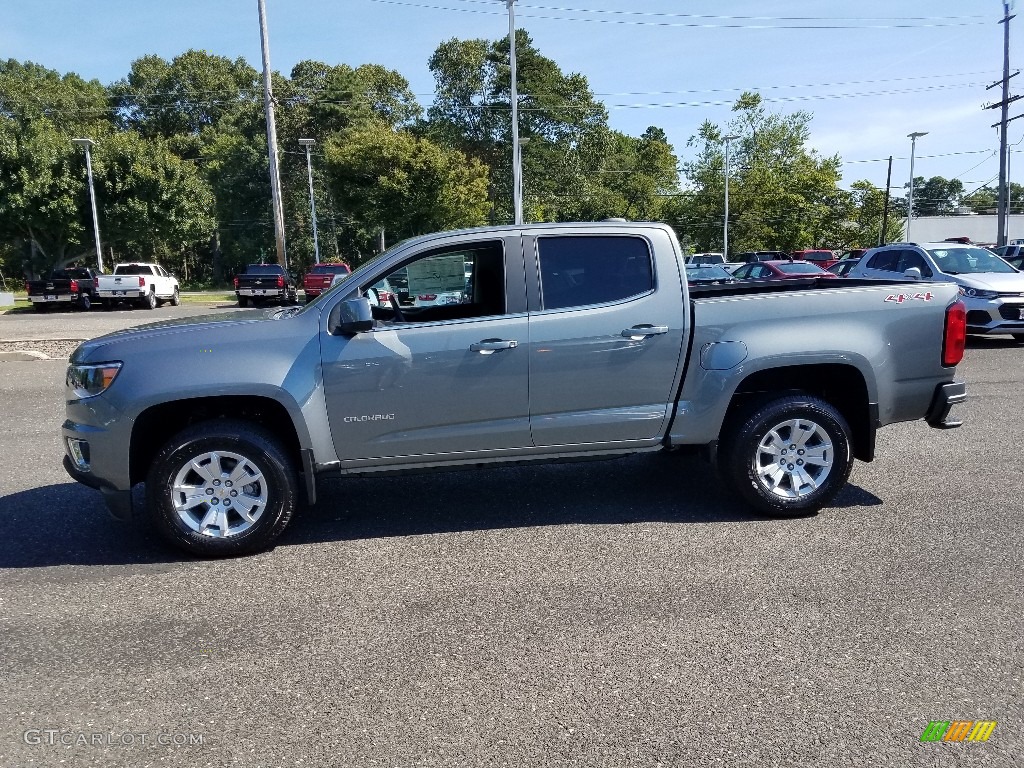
{"points": [[912, 273], [350, 317]]}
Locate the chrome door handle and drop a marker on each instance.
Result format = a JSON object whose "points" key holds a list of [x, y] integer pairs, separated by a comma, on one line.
{"points": [[642, 331], [490, 346]]}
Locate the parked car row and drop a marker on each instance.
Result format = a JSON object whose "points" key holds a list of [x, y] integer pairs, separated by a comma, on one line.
{"points": [[144, 284]]}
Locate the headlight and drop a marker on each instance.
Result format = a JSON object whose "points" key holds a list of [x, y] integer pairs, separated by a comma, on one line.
{"points": [[977, 293], [91, 380]]}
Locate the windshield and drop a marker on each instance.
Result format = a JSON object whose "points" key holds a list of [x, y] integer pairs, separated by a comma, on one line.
{"points": [[968, 261], [707, 272], [797, 268]]}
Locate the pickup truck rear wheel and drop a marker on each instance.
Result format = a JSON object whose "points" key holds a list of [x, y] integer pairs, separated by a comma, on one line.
{"points": [[84, 301], [148, 301], [175, 298], [243, 301], [221, 488], [789, 456]]}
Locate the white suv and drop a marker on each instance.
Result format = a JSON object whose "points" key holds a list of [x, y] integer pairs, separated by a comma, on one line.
{"points": [[992, 290]]}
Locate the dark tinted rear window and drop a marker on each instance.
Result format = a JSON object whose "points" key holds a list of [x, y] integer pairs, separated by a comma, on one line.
{"points": [[579, 270], [264, 269], [133, 269]]}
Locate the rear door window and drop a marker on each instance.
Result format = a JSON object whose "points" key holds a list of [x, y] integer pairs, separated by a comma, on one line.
{"points": [[885, 261], [577, 271]]}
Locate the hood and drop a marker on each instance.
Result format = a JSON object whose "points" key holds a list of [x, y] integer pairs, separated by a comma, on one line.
{"points": [[228, 324], [1003, 282]]}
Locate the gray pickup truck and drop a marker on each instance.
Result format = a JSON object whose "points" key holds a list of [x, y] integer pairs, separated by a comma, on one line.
{"points": [[569, 341]]}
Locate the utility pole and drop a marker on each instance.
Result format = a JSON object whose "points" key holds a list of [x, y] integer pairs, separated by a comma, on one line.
{"points": [[910, 196], [86, 144], [517, 158], [275, 171], [307, 143], [1004, 106], [885, 209], [725, 218]]}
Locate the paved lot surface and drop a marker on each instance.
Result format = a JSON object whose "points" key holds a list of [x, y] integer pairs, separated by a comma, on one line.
{"points": [[620, 613]]}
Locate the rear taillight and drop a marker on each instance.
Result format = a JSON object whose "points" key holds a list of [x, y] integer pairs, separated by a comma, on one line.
{"points": [[236, 283], [142, 282], [280, 281], [384, 297], [74, 286], [954, 337]]}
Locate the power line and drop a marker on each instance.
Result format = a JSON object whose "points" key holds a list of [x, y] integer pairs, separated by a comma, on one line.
{"points": [[939, 22]]}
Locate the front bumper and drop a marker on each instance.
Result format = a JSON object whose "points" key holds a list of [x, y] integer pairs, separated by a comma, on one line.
{"points": [[946, 396], [998, 315], [119, 503]]}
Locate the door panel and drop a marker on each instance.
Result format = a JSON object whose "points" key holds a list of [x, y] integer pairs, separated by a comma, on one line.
{"points": [[423, 389], [604, 373], [445, 375]]}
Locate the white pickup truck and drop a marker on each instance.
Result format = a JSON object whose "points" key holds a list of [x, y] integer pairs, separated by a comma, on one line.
{"points": [[148, 285]]}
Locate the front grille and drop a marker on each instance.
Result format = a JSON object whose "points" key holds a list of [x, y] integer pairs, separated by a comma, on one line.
{"points": [[1011, 311]]}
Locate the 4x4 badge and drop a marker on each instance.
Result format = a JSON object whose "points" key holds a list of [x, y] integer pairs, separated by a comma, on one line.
{"points": [[899, 298]]}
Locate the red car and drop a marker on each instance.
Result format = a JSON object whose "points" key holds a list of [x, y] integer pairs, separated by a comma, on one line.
{"points": [[821, 257], [780, 270], [319, 278]]}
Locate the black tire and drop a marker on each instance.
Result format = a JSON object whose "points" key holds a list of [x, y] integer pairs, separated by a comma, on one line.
{"points": [[175, 298], [807, 443], [148, 301], [1019, 338], [243, 301], [39, 306], [240, 447], [84, 301]]}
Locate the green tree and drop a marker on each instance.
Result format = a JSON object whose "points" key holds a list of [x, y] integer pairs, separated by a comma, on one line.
{"points": [[156, 206], [43, 195], [194, 92], [782, 195], [565, 127], [404, 184], [45, 218], [937, 196]]}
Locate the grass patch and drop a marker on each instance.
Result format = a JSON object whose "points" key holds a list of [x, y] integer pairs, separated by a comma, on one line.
{"points": [[216, 296]]}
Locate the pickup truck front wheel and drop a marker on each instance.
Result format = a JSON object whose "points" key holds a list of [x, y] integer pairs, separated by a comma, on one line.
{"points": [[221, 488], [789, 456]]}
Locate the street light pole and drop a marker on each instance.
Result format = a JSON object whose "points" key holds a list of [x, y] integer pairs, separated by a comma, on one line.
{"points": [[87, 144], [307, 143], [725, 223], [517, 168], [910, 197]]}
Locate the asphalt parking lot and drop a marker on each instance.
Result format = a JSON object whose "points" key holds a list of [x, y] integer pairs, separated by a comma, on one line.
{"points": [[618, 613]]}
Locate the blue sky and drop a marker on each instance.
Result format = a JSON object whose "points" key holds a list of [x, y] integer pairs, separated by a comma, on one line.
{"points": [[870, 71]]}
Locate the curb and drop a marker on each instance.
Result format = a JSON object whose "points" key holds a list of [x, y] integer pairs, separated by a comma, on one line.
{"points": [[24, 356]]}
